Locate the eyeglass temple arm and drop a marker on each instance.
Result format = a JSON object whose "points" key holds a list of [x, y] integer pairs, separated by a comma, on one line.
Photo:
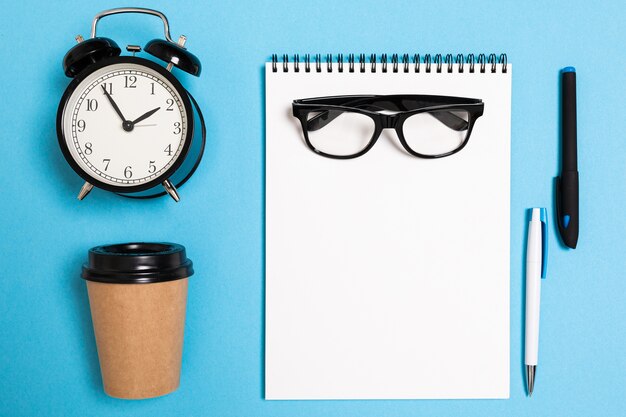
{"points": [[448, 118], [451, 120]]}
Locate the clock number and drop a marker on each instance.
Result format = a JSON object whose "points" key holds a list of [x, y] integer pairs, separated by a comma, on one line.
{"points": [[151, 167], [170, 104], [88, 148], [106, 162], [108, 87], [92, 104], [168, 150], [81, 125], [127, 172], [152, 91], [129, 81], [177, 128]]}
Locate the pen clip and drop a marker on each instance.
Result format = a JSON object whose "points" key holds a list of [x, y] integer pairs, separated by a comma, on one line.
{"points": [[543, 215]]}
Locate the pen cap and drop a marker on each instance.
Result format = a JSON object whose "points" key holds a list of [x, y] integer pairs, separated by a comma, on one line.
{"points": [[568, 119]]}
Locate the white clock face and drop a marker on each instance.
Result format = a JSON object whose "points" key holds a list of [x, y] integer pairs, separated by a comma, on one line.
{"points": [[125, 124]]}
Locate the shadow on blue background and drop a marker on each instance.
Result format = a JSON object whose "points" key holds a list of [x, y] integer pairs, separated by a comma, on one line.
{"points": [[83, 321]]}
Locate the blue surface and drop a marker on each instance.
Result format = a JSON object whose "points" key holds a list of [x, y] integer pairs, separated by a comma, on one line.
{"points": [[48, 360]]}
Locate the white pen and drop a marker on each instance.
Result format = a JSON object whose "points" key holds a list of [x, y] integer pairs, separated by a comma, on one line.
{"points": [[536, 263]]}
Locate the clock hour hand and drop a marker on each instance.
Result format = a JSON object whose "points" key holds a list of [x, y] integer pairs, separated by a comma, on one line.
{"points": [[117, 109], [145, 115]]}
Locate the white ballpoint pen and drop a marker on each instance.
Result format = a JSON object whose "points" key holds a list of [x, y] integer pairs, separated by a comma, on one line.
{"points": [[536, 263]]}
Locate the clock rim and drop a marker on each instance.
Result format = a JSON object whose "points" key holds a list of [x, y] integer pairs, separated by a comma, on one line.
{"points": [[186, 104]]}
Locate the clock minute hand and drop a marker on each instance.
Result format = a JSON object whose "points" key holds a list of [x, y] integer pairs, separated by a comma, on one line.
{"points": [[146, 115], [117, 109]]}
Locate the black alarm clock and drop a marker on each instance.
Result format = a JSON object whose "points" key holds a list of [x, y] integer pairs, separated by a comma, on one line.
{"points": [[125, 123]]}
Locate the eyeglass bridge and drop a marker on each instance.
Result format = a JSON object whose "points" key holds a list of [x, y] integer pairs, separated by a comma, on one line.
{"points": [[389, 121]]}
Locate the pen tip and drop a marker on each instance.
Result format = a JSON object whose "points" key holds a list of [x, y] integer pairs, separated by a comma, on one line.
{"points": [[568, 69], [530, 378]]}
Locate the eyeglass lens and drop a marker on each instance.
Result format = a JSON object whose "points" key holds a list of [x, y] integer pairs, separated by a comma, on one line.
{"points": [[436, 132], [346, 134]]}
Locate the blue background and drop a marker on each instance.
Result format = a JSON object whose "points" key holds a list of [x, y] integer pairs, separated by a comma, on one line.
{"points": [[48, 359]]}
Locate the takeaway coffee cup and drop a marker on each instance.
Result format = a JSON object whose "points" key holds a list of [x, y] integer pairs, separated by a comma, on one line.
{"points": [[137, 295]]}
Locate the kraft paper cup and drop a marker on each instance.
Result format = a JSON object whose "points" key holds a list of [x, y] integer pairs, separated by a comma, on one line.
{"points": [[137, 295]]}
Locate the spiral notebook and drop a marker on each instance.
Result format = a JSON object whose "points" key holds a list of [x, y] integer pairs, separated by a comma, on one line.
{"points": [[387, 275]]}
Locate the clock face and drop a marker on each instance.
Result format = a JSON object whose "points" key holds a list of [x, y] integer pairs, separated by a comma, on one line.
{"points": [[125, 124]]}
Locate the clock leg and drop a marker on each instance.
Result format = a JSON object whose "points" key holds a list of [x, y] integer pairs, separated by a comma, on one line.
{"points": [[171, 190], [86, 188]]}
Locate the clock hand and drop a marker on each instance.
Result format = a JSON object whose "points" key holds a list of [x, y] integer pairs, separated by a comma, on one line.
{"points": [[117, 109], [146, 115]]}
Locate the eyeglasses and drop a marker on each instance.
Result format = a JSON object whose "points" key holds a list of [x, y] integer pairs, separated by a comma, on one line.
{"points": [[344, 127]]}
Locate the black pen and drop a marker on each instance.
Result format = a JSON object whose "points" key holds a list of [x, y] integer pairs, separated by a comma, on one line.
{"points": [[567, 183]]}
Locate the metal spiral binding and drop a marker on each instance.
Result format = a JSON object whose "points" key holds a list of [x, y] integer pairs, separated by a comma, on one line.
{"points": [[481, 61], [492, 61], [448, 60], [426, 61], [439, 61], [470, 61], [460, 61]]}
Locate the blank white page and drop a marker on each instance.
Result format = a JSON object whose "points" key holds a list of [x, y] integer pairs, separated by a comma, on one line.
{"points": [[387, 276]]}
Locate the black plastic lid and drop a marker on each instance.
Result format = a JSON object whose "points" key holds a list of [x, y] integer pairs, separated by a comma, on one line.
{"points": [[137, 263]]}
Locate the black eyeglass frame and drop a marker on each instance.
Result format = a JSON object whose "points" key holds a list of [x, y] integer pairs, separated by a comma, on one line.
{"points": [[302, 107]]}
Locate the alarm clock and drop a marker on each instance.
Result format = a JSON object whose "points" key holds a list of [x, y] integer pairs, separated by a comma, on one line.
{"points": [[126, 124]]}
